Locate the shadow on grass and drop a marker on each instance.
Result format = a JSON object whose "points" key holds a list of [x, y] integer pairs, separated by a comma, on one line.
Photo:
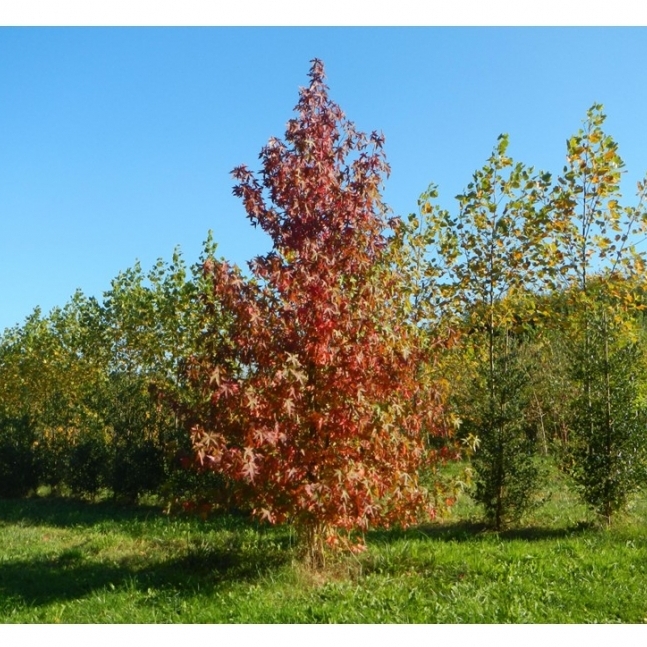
{"points": [[466, 531], [66, 513], [63, 512], [195, 564], [71, 575], [538, 533]]}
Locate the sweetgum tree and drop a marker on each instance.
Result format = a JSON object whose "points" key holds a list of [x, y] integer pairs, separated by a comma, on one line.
{"points": [[316, 414]]}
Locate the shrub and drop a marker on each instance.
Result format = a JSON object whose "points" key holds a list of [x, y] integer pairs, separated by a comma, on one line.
{"points": [[19, 473]]}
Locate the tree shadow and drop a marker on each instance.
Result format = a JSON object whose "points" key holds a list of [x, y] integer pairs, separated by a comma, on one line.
{"points": [[195, 563], [452, 531], [63, 512], [539, 533], [466, 531], [69, 512], [71, 575]]}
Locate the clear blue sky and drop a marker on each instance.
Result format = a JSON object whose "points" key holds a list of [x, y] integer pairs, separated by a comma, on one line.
{"points": [[116, 144]]}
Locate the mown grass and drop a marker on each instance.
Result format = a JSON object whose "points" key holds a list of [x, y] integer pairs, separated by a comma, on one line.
{"points": [[77, 562]]}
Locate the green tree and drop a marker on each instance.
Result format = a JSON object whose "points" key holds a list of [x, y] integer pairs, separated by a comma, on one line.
{"points": [[601, 265], [50, 376], [481, 269], [609, 450], [154, 322]]}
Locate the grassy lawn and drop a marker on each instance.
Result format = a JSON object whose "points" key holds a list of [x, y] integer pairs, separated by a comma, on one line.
{"points": [[77, 562]]}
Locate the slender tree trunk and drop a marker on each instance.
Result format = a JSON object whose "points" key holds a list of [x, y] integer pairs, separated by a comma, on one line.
{"points": [[312, 537], [608, 417]]}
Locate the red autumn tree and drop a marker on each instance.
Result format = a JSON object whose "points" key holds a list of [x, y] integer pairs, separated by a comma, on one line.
{"points": [[318, 411]]}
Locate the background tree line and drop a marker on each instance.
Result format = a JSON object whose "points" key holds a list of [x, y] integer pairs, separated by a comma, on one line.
{"points": [[90, 393]]}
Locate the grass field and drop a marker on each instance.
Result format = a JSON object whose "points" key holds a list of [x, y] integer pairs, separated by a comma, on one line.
{"points": [[77, 562]]}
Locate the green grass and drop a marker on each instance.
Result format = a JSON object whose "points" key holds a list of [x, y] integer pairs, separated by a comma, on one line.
{"points": [[77, 562]]}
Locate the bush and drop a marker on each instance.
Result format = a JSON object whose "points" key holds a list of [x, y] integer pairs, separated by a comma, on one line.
{"points": [[88, 464], [608, 454], [508, 477], [19, 473], [138, 467]]}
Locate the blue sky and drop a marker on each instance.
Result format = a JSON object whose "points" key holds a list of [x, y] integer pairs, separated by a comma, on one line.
{"points": [[116, 144]]}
